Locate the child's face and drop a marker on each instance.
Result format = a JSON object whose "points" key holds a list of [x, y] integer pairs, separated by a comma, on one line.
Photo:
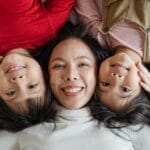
{"points": [[21, 78], [118, 81], [72, 69]]}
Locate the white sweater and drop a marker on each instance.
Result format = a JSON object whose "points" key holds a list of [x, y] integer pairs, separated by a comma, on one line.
{"points": [[74, 130]]}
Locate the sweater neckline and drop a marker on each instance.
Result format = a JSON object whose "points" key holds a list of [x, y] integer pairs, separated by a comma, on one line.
{"points": [[74, 116]]}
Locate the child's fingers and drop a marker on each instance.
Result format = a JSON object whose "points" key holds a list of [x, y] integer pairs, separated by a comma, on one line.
{"points": [[145, 86], [144, 73], [145, 77], [143, 69]]}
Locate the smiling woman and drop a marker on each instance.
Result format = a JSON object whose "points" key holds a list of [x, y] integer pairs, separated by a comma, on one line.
{"points": [[72, 73]]}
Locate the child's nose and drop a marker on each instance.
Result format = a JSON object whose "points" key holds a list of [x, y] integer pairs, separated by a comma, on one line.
{"points": [[17, 78], [117, 75]]}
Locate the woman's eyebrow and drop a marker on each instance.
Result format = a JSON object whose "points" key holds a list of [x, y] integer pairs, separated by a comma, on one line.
{"points": [[62, 59], [57, 59]]}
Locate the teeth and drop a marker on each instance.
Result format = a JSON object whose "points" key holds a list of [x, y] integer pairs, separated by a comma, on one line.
{"points": [[72, 90]]}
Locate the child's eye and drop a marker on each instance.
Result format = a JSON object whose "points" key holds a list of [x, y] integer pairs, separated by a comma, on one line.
{"points": [[103, 83], [125, 89], [32, 86], [11, 93]]}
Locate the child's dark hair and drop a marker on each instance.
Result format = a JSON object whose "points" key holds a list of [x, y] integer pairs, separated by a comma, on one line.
{"points": [[38, 110], [138, 111]]}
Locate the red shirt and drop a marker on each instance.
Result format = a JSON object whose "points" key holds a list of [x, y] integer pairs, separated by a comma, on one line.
{"points": [[29, 23]]}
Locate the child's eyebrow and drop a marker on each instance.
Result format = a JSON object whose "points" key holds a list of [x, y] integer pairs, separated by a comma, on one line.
{"points": [[127, 96], [120, 96]]}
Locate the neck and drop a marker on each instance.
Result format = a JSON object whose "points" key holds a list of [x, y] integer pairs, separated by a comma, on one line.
{"points": [[134, 55]]}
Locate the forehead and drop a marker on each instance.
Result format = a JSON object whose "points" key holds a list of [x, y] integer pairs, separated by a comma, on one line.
{"points": [[72, 47]]}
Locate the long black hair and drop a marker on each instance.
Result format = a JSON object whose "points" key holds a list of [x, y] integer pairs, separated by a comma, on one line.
{"points": [[73, 31], [136, 112], [39, 110]]}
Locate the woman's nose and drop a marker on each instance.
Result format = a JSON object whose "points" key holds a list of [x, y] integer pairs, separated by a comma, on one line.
{"points": [[71, 78], [71, 74]]}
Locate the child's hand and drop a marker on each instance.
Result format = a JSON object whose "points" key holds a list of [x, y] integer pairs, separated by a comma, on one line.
{"points": [[145, 77], [1, 58]]}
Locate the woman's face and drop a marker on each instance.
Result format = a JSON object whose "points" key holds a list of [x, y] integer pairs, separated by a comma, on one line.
{"points": [[21, 78], [118, 81], [72, 70]]}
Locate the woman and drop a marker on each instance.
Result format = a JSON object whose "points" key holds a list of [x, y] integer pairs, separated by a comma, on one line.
{"points": [[72, 71]]}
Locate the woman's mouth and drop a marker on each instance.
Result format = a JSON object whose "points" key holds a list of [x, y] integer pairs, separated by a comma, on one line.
{"points": [[72, 91]]}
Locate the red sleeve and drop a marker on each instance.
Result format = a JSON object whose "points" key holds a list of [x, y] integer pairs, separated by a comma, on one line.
{"points": [[59, 11]]}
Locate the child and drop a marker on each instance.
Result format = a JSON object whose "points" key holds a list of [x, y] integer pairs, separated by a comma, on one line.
{"points": [[22, 91], [25, 26], [123, 26], [31, 24], [117, 26]]}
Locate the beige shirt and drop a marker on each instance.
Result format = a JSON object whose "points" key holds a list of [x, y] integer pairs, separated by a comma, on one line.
{"points": [[124, 34]]}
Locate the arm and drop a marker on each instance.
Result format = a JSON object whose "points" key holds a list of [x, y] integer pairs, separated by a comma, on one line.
{"points": [[59, 11], [145, 77], [90, 16]]}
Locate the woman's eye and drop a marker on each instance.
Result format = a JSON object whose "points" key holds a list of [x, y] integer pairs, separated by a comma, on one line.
{"points": [[33, 86], [10, 93], [58, 66], [105, 83], [125, 89], [83, 65]]}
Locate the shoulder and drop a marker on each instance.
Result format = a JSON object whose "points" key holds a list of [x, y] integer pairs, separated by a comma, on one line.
{"points": [[139, 135], [8, 140]]}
